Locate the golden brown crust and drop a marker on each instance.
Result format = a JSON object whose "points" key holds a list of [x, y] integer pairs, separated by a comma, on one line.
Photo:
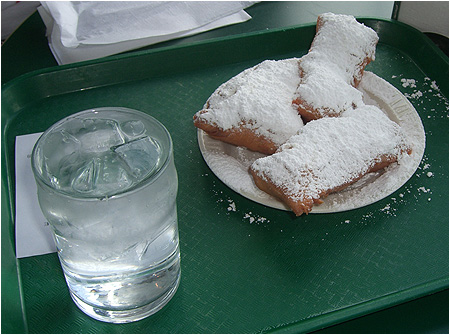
{"points": [[305, 206], [241, 136], [309, 113], [298, 207]]}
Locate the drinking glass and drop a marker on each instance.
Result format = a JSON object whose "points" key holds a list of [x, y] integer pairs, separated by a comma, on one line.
{"points": [[107, 185]]}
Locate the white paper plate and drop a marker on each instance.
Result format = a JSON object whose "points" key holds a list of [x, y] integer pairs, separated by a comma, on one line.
{"points": [[230, 163]]}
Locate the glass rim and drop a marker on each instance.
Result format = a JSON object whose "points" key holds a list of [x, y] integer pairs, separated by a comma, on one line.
{"points": [[141, 184]]}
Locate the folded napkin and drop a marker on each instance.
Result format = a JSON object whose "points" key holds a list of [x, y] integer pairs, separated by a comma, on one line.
{"points": [[82, 30]]}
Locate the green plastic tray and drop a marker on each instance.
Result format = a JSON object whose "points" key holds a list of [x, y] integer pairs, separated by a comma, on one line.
{"points": [[255, 269]]}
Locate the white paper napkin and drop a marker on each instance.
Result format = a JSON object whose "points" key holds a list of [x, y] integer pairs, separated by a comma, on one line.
{"points": [[33, 234], [83, 30]]}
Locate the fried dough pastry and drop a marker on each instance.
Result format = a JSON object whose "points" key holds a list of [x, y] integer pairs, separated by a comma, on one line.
{"points": [[328, 155], [254, 109], [334, 66]]}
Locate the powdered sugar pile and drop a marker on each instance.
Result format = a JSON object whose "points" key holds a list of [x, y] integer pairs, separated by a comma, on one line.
{"points": [[255, 98], [331, 152]]}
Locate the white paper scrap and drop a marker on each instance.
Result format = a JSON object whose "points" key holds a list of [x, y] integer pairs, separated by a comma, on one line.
{"points": [[33, 234]]}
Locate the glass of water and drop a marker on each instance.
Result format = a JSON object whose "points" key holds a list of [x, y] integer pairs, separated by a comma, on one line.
{"points": [[107, 185]]}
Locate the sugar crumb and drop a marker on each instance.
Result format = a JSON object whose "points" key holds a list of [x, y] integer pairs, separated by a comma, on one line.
{"points": [[253, 218], [232, 206], [434, 85], [423, 189], [408, 82]]}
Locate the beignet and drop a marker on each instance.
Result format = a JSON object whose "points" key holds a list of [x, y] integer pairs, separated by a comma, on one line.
{"points": [[254, 109], [328, 155], [334, 66]]}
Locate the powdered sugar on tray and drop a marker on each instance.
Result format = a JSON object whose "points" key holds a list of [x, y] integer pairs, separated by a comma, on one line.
{"points": [[409, 194], [255, 98], [408, 82], [232, 209], [424, 91]]}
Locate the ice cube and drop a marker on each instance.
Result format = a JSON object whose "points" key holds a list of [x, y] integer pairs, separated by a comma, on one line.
{"points": [[111, 176], [133, 129], [141, 156], [84, 179], [68, 166], [58, 147], [101, 175], [98, 135]]}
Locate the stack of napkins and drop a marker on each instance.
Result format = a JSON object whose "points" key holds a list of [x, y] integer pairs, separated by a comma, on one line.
{"points": [[83, 30]]}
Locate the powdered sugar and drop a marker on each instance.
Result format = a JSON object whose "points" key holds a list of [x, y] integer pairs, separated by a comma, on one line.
{"points": [[408, 82], [255, 98], [233, 210], [318, 79], [434, 86], [425, 93]]}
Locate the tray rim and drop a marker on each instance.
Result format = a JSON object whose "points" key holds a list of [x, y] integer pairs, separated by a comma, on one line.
{"points": [[363, 308], [140, 52], [334, 317]]}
